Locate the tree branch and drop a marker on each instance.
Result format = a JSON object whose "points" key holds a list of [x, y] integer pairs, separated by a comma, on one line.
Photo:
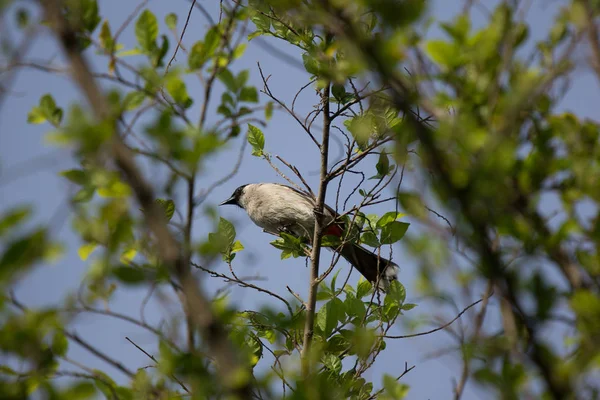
{"points": [[316, 242]]}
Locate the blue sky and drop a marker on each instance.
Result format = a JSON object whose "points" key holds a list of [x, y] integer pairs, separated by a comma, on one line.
{"points": [[29, 170]]}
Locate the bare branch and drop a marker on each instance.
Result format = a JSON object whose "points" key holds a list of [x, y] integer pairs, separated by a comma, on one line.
{"points": [[318, 233], [446, 325]]}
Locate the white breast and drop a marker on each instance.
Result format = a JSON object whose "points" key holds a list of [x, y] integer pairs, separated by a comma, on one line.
{"points": [[274, 207]]}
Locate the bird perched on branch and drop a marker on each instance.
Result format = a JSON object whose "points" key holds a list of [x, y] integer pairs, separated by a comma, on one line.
{"points": [[278, 208]]}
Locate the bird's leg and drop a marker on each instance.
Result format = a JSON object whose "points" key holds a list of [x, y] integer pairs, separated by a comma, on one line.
{"points": [[285, 229]]}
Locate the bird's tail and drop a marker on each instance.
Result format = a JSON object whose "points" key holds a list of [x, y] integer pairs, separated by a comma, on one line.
{"points": [[370, 265]]}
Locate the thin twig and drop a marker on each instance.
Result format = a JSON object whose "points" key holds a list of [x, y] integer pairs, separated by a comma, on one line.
{"points": [[446, 325], [179, 382], [187, 20]]}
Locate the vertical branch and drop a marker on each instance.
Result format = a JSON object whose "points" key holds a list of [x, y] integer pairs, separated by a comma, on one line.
{"points": [[318, 233]]}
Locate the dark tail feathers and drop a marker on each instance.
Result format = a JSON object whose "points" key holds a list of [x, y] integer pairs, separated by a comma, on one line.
{"points": [[369, 265]]}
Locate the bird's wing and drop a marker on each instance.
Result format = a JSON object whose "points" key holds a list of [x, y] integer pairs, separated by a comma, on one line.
{"points": [[335, 228], [329, 210]]}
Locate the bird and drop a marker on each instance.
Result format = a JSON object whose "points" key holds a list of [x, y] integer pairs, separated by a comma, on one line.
{"points": [[280, 208]]}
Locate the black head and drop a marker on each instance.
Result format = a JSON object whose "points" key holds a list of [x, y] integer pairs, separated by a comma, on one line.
{"points": [[235, 197]]}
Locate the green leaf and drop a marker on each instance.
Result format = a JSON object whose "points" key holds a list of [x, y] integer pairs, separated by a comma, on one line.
{"points": [[171, 21], [115, 188], [311, 64], [370, 239], [146, 31], [408, 306], [77, 176], [129, 275], [225, 111], [227, 229], [201, 52], [355, 307], [80, 391], [364, 288], [332, 363], [393, 388], [241, 79], [13, 217], [107, 385], [324, 293], [228, 80], [211, 42], [60, 344], [412, 203], [106, 39], [393, 232], [269, 111], [168, 206], [196, 57], [256, 139], [86, 249], [262, 22], [292, 246], [459, 28], [383, 165], [361, 127], [443, 53], [239, 51], [331, 241], [329, 315], [158, 54], [88, 14], [249, 94], [46, 111], [85, 194], [35, 116], [237, 246], [363, 340], [389, 217], [23, 253], [339, 92], [133, 100], [177, 89], [396, 292]]}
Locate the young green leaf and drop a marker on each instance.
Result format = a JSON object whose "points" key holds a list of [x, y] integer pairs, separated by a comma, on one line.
{"points": [[106, 39], [171, 21], [129, 275], [13, 217], [168, 206], [249, 94], [256, 139], [269, 111], [383, 165], [339, 92], [393, 232], [77, 176], [146, 31], [389, 217], [177, 89], [228, 80]]}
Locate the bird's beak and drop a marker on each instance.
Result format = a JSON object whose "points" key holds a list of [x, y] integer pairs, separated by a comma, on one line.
{"points": [[230, 200]]}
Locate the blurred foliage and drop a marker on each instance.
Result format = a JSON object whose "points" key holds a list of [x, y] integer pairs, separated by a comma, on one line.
{"points": [[491, 144]]}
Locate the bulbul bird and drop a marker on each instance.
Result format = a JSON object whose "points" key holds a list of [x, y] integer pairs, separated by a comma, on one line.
{"points": [[278, 208]]}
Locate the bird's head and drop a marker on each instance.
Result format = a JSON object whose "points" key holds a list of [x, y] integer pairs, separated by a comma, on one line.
{"points": [[236, 197]]}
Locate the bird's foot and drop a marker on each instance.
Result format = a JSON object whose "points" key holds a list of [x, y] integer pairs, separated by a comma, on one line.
{"points": [[285, 229]]}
